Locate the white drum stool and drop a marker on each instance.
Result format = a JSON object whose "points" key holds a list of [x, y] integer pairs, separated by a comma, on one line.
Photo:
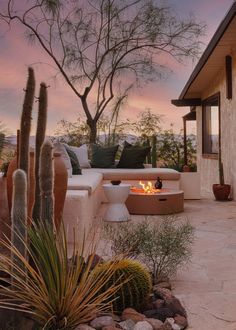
{"points": [[116, 195]]}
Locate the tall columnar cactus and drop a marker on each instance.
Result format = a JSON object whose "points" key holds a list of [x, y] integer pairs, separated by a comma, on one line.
{"points": [[40, 136], [136, 283], [154, 151], [19, 211], [26, 122], [46, 180]]}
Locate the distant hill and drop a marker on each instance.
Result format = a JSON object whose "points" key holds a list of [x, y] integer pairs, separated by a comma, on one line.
{"points": [[13, 139], [102, 138]]}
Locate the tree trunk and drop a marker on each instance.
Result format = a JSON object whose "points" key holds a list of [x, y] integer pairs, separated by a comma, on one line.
{"points": [[93, 130]]}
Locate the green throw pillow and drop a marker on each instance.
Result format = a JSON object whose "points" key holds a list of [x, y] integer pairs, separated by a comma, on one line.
{"points": [[133, 156], [103, 157], [76, 170]]}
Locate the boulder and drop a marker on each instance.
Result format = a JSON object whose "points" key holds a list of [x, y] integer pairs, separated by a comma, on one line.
{"points": [[127, 325], [166, 326], [155, 323], [84, 327], [174, 326], [159, 313], [143, 325], [110, 327], [102, 321], [162, 293], [132, 314], [158, 303], [181, 321], [174, 304]]}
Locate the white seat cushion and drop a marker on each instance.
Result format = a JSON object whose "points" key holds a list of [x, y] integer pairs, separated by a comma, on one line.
{"points": [[87, 181], [135, 174]]}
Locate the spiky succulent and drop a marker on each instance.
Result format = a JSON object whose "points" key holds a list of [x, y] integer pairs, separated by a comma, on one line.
{"points": [[136, 283]]}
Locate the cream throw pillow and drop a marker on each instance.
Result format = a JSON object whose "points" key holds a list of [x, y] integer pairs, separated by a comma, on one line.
{"points": [[82, 155]]}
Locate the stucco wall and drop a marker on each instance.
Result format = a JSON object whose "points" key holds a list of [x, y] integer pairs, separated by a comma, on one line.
{"points": [[209, 167]]}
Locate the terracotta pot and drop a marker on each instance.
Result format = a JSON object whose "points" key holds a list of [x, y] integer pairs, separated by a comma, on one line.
{"points": [[221, 192], [60, 185]]}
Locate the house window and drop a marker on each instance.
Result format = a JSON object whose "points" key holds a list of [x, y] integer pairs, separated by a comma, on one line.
{"points": [[211, 125]]}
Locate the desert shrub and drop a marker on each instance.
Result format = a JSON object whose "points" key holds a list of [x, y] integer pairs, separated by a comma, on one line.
{"points": [[135, 279], [163, 245]]}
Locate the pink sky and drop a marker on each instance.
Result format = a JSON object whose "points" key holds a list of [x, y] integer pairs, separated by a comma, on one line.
{"points": [[17, 55]]}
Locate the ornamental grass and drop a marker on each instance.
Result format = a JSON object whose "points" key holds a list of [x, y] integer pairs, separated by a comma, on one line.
{"points": [[57, 292]]}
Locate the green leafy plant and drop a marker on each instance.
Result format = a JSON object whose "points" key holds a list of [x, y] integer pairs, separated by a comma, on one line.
{"points": [[135, 279], [163, 245], [170, 150], [58, 294]]}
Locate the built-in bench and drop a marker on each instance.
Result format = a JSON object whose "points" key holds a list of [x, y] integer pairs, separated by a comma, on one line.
{"points": [[85, 194]]}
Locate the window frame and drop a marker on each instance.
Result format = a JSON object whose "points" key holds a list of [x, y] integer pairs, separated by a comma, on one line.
{"points": [[205, 103]]}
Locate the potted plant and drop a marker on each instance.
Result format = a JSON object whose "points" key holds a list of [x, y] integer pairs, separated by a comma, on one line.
{"points": [[221, 190]]}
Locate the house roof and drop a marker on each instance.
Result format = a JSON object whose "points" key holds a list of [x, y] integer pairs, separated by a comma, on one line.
{"points": [[211, 62]]}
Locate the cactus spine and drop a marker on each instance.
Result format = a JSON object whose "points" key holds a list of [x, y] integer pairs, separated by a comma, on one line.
{"points": [[26, 122], [19, 212], [154, 151], [46, 180], [40, 136], [136, 283]]}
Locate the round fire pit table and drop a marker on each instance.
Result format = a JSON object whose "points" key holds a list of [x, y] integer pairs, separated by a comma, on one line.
{"points": [[165, 202], [116, 195]]}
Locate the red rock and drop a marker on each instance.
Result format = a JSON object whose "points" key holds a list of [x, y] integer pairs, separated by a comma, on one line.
{"points": [[174, 304], [143, 325], [155, 323], [162, 292], [84, 327], [158, 303], [166, 326], [132, 314], [181, 321], [101, 322]]}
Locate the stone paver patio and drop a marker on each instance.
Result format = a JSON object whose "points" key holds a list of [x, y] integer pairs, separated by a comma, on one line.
{"points": [[207, 286]]}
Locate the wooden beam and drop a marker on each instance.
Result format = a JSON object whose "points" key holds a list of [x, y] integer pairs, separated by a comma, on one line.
{"points": [[187, 102], [228, 73], [190, 116], [185, 143]]}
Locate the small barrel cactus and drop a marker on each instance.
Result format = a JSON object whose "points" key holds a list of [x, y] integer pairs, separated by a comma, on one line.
{"points": [[136, 283]]}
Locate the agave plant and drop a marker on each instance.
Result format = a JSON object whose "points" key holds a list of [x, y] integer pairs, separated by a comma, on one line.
{"points": [[56, 293]]}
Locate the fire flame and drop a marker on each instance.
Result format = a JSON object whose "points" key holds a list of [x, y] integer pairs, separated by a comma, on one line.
{"points": [[148, 188]]}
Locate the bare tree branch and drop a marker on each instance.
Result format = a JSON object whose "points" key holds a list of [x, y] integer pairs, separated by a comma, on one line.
{"points": [[97, 44]]}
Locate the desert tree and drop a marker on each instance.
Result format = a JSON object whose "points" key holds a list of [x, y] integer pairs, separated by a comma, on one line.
{"points": [[104, 47]]}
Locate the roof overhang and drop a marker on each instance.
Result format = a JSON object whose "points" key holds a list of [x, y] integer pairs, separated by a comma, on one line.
{"points": [[187, 102], [212, 61]]}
